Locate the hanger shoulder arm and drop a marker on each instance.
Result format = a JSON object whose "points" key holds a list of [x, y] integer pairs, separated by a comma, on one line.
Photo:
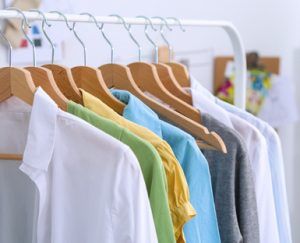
{"points": [[91, 80], [16, 82], [43, 77], [181, 73], [171, 84], [65, 82], [116, 75], [196, 130], [147, 78]]}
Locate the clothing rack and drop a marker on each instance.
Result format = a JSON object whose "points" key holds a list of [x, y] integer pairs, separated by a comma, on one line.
{"points": [[230, 29]]}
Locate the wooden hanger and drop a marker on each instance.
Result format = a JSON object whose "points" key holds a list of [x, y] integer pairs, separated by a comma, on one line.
{"points": [[164, 71], [162, 56], [64, 79], [120, 77], [91, 80], [16, 82], [41, 76], [168, 79], [181, 73], [146, 77], [61, 74]]}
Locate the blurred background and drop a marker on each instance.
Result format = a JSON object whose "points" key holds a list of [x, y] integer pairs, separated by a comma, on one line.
{"points": [[268, 28]]}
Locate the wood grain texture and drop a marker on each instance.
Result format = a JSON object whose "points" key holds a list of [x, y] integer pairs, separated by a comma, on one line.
{"points": [[65, 82], [16, 82], [147, 78], [181, 73], [179, 70], [91, 80], [43, 77], [168, 79]]}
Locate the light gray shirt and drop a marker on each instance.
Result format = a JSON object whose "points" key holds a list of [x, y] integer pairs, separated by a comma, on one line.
{"points": [[233, 186]]}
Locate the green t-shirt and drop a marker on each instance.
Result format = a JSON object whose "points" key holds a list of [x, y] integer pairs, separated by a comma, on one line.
{"points": [[151, 165]]}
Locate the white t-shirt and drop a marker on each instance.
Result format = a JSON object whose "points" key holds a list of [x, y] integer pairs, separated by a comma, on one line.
{"points": [[75, 184]]}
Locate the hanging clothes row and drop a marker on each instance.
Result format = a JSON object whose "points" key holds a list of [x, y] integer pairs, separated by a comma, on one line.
{"points": [[121, 154]]}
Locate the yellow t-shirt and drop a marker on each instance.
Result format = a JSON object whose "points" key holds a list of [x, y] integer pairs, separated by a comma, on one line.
{"points": [[178, 191]]}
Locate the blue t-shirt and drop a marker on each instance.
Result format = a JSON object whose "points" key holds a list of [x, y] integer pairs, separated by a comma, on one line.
{"points": [[203, 227]]}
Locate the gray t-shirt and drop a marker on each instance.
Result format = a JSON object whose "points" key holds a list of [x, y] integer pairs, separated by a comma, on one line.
{"points": [[233, 186]]}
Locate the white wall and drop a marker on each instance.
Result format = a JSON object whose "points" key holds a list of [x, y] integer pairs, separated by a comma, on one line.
{"points": [[270, 27]]}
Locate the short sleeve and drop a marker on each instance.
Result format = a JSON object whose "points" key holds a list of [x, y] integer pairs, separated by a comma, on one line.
{"points": [[178, 191], [131, 215]]}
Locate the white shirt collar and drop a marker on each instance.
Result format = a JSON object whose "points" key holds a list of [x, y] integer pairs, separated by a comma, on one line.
{"points": [[41, 134]]}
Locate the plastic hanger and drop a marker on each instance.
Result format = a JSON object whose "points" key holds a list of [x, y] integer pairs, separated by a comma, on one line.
{"points": [[91, 79], [147, 78], [119, 76], [165, 71], [180, 71], [62, 74], [15, 82], [42, 76]]}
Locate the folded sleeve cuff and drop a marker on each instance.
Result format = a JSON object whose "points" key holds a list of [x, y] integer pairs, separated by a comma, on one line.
{"points": [[181, 215]]}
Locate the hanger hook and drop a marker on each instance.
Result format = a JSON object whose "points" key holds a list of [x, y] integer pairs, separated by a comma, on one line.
{"points": [[112, 49], [64, 17], [165, 22], [51, 43], [25, 22], [178, 21], [81, 42], [100, 27], [128, 28], [9, 48], [149, 22], [45, 21]]}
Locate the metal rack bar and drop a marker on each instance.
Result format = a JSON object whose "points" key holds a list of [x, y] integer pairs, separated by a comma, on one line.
{"points": [[237, 44]]}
